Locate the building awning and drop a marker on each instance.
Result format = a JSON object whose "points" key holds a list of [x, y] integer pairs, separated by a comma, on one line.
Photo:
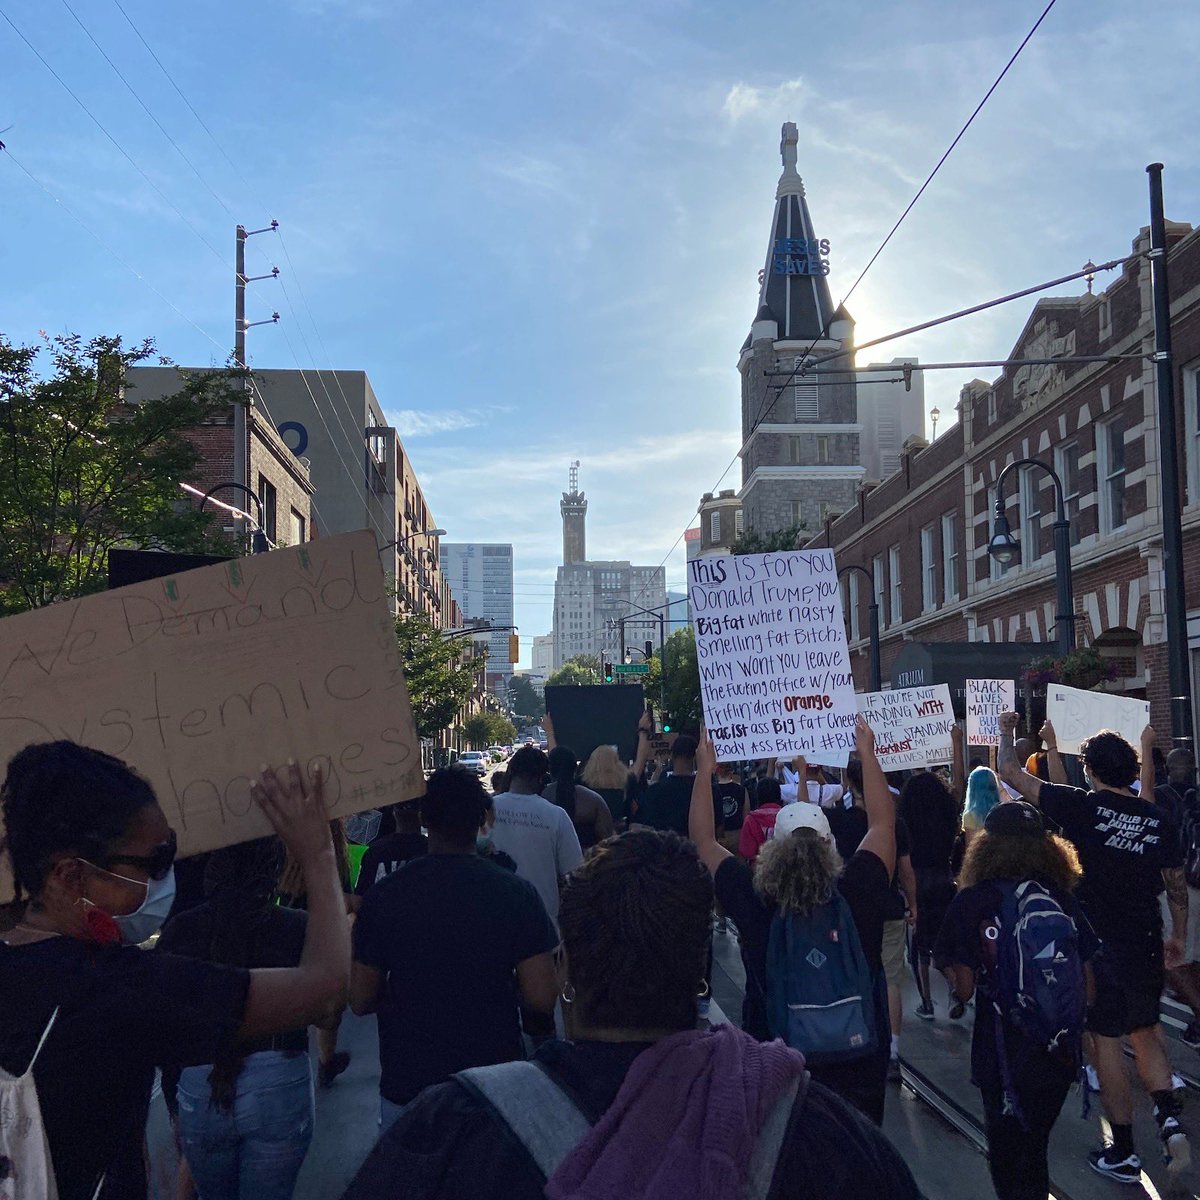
{"points": [[920, 664]]}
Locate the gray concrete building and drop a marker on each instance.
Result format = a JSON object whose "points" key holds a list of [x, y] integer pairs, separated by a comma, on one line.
{"points": [[481, 578], [801, 456]]}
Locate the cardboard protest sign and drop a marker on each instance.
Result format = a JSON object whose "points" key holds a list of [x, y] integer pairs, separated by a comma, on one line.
{"points": [[911, 725], [771, 645], [986, 700], [198, 679], [1076, 714]]}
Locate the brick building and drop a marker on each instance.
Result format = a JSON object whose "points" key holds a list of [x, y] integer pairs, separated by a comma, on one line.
{"points": [[278, 477], [922, 533]]}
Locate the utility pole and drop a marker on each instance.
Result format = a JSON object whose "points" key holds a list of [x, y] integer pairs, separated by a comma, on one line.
{"points": [[241, 422], [1174, 596]]}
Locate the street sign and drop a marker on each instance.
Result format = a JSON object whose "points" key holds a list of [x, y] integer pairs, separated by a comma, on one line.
{"points": [[632, 668]]}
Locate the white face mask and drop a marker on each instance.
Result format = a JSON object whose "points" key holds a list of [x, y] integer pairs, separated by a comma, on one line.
{"points": [[147, 919]]}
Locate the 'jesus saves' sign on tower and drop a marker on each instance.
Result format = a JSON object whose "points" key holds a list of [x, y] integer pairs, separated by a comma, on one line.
{"points": [[771, 645]]}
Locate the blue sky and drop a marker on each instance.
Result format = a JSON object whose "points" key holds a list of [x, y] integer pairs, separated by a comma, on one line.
{"points": [[537, 225]]}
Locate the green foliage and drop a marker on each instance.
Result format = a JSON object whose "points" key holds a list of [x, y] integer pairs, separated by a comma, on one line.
{"points": [[753, 542], [682, 696], [529, 706], [578, 671], [82, 470], [439, 678], [489, 729], [1082, 668]]}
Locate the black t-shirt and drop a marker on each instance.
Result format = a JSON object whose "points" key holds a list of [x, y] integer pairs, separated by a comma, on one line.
{"points": [[388, 854], [1124, 844], [959, 943], [865, 887], [277, 941], [898, 904], [849, 827], [121, 1012], [664, 805], [447, 931], [451, 1145], [731, 797]]}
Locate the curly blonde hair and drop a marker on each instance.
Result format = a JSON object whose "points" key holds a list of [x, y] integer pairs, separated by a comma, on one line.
{"points": [[605, 769], [797, 872]]}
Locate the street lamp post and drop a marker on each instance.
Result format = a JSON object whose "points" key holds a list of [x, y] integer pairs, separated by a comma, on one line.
{"points": [[873, 611], [1006, 550], [259, 539], [398, 542], [1174, 593]]}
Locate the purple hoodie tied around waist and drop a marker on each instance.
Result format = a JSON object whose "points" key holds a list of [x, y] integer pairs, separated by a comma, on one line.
{"points": [[684, 1124]]}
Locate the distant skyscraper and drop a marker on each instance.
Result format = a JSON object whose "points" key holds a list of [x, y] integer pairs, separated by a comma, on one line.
{"points": [[573, 507], [678, 614], [481, 577], [543, 654], [890, 413]]}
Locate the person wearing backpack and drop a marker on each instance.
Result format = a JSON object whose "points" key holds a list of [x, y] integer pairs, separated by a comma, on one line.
{"points": [[1015, 934], [1129, 850], [639, 1103], [812, 931]]}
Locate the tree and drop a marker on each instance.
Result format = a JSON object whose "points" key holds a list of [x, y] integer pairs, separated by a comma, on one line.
{"points": [[83, 470], [753, 542], [682, 694], [488, 729], [577, 671], [529, 706], [439, 678]]}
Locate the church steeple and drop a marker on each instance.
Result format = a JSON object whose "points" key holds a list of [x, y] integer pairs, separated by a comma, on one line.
{"points": [[795, 290]]}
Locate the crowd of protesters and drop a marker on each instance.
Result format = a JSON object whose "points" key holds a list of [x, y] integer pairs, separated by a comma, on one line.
{"points": [[540, 960]]}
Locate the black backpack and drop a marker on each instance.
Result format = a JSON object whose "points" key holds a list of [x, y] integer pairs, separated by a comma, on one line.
{"points": [[1189, 835]]}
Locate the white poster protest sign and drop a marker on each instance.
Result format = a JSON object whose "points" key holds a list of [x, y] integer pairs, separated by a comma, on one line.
{"points": [[775, 672], [911, 725], [1076, 715], [986, 700], [199, 678]]}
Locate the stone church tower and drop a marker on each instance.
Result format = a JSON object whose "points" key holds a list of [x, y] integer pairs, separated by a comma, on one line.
{"points": [[800, 457]]}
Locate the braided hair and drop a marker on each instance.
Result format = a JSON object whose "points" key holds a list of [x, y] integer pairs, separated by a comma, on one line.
{"points": [[636, 921], [60, 797]]}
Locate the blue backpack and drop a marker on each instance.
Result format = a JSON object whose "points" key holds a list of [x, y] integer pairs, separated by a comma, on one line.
{"points": [[1035, 977], [820, 993]]}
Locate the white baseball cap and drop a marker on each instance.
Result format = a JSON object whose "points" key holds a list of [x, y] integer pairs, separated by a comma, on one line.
{"points": [[802, 815]]}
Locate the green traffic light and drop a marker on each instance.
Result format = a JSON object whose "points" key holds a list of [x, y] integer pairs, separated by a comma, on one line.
{"points": [[666, 727]]}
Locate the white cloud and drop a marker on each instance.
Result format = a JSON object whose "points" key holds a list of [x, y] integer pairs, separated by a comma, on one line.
{"points": [[744, 99], [414, 422]]}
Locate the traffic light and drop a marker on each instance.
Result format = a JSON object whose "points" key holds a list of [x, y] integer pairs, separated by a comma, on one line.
{"points": [[666, 724], [514, 648], [649, 649], [608, 672]]}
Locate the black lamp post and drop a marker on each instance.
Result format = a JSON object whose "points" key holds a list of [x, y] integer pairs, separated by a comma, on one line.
{"points": [[873, 614], [259, 540], [408, 538], [1006, 550]]}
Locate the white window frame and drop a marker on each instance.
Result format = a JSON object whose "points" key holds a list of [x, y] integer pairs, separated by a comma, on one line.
{"points": [[877, 588], [806, 396], [1191, 421], [822, 448], [1029, 501], [1070, 483], [795, 451], [949, 557], [851, 600], [1107, 473], [738, 523], [797, 513], [928, 570], [895, 596], [714, 526]]}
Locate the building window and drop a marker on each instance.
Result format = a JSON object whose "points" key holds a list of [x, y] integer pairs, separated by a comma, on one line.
{"points": [[794, 451], [807, 405], [949, 557], [714, 527], [822, 447], [298, 528], [1066, 464], [928, 570], [877, 583], [737, 523], [897, 609], [851, 600], [991, 406], [797, 508], [1031, 518], [266, 493], [1104, 320], [1191, 416], [1110, 466]]}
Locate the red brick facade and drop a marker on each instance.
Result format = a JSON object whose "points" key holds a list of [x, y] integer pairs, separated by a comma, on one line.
{"points": [[924, 531]]}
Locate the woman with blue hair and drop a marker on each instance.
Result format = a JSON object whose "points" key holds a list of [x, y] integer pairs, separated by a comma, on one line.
{"points": [[983, 794]]}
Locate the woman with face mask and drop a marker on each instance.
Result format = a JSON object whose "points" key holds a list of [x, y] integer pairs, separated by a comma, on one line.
{"points": [[93, 856]]}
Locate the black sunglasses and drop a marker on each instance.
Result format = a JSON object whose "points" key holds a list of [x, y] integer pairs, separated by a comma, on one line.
{"points": [[156, 865]]}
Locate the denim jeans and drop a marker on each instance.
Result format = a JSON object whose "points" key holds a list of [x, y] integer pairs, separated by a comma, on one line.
{"points": [[255, 1150]]}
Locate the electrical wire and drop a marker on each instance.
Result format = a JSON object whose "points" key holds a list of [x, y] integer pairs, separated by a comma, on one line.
{"points": [[772, 395]]}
